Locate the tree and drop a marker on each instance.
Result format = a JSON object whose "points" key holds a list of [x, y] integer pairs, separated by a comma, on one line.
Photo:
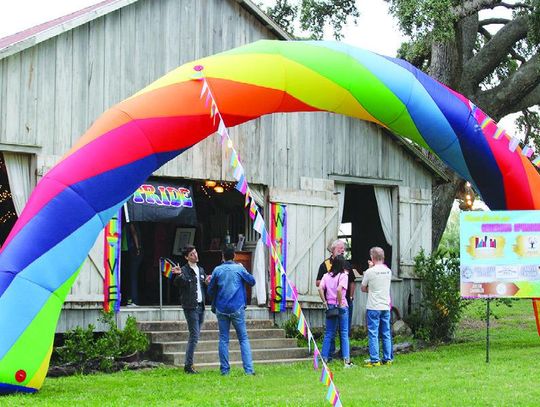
{"points": [[495, 62], [499, 70], [313, 15]]}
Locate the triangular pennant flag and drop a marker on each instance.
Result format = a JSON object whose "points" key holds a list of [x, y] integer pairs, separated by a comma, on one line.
{"points": [[238, 172], [331, 395], [204, 89], [527, 151], [486, 121], [296, 309], [536, 161], [513, 144], [266, 237], [258, 225], [498, 134], [316, 359], [234, 158], [252, 209], [242, 185], [247, 197]]}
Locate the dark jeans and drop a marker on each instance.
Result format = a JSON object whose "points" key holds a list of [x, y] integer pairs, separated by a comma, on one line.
{"points": [[351, 306], [195, 319]]}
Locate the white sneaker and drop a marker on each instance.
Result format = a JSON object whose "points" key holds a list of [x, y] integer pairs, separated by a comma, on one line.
{"points": [[348, 365]]}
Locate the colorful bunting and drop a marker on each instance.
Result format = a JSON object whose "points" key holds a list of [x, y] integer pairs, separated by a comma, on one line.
{"points": [[513, 144], [276, 241], [527, 151]]}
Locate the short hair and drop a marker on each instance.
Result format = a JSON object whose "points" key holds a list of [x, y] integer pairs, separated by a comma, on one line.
{"points": [[334, 244], [187, 250], [377, 253], [228, 253]]}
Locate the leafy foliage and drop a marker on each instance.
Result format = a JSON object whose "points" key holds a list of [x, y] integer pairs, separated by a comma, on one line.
{"points": [[313, 15], [87, 350], [441, 306], [450, 238]]}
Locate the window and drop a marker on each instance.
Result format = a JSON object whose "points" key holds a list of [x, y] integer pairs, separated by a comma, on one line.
{"points": [[345, 234]]}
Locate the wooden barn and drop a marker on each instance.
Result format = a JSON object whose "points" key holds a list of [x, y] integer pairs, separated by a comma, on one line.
{"points": [[336, 175]]}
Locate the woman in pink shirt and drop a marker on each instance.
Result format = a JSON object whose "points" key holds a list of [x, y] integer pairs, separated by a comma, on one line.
{"points": [[332, 290]]}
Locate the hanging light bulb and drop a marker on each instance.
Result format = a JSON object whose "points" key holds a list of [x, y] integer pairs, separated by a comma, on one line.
{"points": [[218, 189], [210, 184]]}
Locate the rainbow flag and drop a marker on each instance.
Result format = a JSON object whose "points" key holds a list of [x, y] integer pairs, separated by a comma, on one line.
{"points": [[278, 235], [111, 262], [165, 267]]}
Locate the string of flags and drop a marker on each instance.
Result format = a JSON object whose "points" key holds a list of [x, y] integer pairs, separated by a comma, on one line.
{"points": [[490, 128], [327, 377]]}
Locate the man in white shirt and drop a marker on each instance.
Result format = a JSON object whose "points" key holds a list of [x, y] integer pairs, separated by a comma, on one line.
{"points": [[376, 283]]}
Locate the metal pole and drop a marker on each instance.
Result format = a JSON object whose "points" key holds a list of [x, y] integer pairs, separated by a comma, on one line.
{"points": [[160, 297], [487, 329]]}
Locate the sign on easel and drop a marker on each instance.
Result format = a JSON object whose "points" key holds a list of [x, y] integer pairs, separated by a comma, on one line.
{"points": [[500, 254]]}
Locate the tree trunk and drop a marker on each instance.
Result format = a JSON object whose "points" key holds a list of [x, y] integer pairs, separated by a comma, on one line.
{"points": [[444, 67], [443, 196]]}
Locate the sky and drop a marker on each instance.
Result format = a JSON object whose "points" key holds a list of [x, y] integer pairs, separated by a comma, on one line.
{"points": [[375, 29]]}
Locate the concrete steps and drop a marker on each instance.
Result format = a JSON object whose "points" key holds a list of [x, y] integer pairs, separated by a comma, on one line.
{"points": [[168, 342]]}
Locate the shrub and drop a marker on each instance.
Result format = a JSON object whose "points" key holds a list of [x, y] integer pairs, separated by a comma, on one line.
{"points": [[88, 351], [441, 306]]}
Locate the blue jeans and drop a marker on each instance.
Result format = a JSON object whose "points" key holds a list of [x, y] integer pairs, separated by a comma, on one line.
{"points": [[378, 322], [340, 323], [238, 320], [195, 319], [351, 306]]}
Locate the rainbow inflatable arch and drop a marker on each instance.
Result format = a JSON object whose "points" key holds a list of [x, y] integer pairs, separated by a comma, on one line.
{"points": [[71, 205]]}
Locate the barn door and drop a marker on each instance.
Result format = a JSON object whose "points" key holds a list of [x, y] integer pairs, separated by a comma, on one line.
{"points": [[414, 226], [312, 225]]}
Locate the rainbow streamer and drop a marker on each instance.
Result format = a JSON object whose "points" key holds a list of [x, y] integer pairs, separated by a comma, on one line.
{"points": [[111, 262], [278, 235]]}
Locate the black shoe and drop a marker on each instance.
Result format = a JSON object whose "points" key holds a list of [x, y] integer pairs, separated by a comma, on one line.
{"points": [[190, 370]]}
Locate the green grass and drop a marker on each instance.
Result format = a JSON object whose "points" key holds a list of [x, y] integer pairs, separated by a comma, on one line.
{"points": [[451, 375]]}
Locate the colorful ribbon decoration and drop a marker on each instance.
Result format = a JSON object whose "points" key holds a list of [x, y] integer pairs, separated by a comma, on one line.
{"points": [[111, 262]]}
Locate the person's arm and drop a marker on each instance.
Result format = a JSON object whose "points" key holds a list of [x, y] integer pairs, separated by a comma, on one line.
{"points": [[213, 285], [321, 294], [352, 288], [320, 274], [365, 282], [181, 278], [135, 237], [248, 278]]}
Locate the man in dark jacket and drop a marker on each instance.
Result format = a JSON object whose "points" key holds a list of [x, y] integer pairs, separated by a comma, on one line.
{"points": [[191, 280]]}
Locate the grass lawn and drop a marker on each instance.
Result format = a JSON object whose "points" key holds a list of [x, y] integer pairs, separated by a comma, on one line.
{"points": [[452, 375]]}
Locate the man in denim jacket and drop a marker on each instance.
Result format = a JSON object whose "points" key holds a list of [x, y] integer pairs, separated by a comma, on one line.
{"points": [[229, 298]]}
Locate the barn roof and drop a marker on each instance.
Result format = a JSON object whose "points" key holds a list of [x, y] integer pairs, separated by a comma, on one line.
{"points": [[28, 38]]}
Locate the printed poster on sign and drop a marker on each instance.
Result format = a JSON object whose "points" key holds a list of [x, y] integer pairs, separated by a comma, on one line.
{"points": [[500, 254]]}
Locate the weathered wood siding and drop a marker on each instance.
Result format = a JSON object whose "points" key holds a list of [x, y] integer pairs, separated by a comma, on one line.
{"points": [[52, 92]]}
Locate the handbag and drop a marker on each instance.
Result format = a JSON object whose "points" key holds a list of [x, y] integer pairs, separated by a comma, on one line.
{"points": [[332, 312]]}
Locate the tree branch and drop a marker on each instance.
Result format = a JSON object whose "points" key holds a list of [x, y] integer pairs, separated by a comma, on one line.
{"points": [[517, 5], [508, 96], [491, 55], [474, 6], [489, 21]]}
